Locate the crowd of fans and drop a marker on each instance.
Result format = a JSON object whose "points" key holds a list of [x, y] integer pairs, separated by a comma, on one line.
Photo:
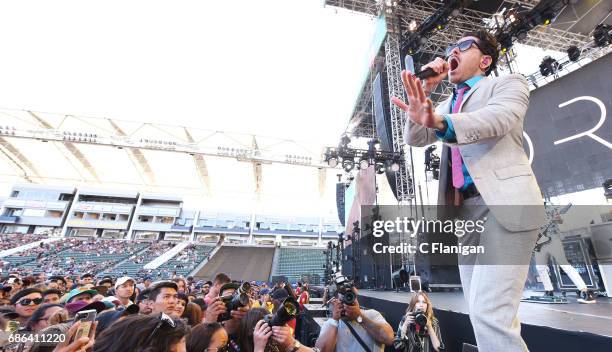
{"points": [[15, 262], [82, 256], [182, 314], [13, 240], [140, 315]]}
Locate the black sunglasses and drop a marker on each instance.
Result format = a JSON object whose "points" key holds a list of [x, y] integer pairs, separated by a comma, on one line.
{"points": [[27, 301], [163, 319], [463, 46]]}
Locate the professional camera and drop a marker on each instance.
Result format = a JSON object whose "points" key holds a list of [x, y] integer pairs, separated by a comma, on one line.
{"points": [[240, 298], [420, 322], [344, 290], [287, 311]]}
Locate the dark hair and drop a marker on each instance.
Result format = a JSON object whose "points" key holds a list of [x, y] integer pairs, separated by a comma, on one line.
{"points": [[200, 336], [193, 313], [200, 302], [143, 295], [155, 290], [183, 297], [39, 313], [290, 291], [52, 291], [247, 327], [132, 334], [221, 279], [488, 46]]}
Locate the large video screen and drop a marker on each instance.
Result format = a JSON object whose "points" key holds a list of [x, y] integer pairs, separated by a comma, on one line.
{"points": [[568, 132]]}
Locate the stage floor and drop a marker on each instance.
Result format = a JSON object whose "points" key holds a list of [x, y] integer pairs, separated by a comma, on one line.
{"points": [[594, 318]]}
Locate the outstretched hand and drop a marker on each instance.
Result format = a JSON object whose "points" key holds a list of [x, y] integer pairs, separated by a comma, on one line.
{"points": [[419, 107]]}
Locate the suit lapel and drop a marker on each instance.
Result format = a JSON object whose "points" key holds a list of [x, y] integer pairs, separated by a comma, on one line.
{"points": [[470, 92], [446, 105]]}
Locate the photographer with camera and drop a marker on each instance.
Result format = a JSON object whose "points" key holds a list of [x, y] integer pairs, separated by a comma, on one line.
{"points": [[351, 329], [261, 331], [418, 330]]}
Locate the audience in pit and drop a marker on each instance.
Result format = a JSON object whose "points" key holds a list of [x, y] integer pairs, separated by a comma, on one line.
{"points": [[147, 313]]}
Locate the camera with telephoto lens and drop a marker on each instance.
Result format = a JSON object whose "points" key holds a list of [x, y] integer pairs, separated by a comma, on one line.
{"points": [[344, 290], [287, 311], [420, 322], [240, 298]]}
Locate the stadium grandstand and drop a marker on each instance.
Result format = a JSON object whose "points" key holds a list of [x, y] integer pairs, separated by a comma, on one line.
{"points": [[104, 232]]}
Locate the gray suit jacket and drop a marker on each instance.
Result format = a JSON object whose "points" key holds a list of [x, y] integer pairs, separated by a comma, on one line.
{"points": [[489, 129]]}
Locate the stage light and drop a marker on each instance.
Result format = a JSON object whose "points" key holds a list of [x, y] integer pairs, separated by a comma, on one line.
{"points": [[439, 26], [511, 18], [547, 17], [412, 26], [380, 167], [395, 166], [344, 141], [348, 165], [549, 66], [601, 35], [364, 163], [505, 42], [573, 53], [332, 158]]}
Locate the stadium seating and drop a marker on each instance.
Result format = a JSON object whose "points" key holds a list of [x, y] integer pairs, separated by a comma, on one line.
{"points": [[181, 264], [293, 263], [86, 256], [133, 266], [240, 263], [14, 240], [17, 261]]}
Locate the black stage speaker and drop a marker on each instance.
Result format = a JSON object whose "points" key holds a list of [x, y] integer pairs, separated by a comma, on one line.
{"points": [[340, 190]]}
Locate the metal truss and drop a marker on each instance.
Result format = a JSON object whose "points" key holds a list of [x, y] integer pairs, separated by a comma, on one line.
{"points": [[121, 140], [16, 157], [200, 164], [403, 181], [72, 149], [589, 52], [137, 157], [541, 37]]}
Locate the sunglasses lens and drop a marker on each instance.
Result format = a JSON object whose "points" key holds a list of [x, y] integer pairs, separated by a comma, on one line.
{"points": [[449, 50], [463, 46], [27, 301]]}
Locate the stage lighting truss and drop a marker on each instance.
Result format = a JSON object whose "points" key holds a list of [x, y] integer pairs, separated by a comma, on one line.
{"points": [[350, 159], [246, 154], [549, 66], [7, 130], [551, 69], [602, 35], [518, 21]]}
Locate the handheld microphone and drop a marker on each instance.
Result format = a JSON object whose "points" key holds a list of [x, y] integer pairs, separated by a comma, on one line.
{"points": [[426, 73]]}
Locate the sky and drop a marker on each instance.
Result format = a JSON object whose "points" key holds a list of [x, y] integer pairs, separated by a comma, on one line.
{"points": [[276, 68]]}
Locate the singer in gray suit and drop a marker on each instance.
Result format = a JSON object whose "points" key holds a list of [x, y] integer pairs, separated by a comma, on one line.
{"points": [[485, 174]]}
